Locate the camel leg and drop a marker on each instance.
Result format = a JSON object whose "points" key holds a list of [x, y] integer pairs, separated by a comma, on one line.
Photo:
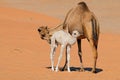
{"points": [[59, 59], [65, 65], [80, 54], [52, 57], [92, 37], [68, 57], [95, 54]]}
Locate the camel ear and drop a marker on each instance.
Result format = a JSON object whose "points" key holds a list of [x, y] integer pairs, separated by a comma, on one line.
{"points": [[50, 35], [46, 27]]}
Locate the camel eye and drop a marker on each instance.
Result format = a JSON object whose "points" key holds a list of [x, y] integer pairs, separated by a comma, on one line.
{"points": [[48, 32], [39, 30], [74, 33], [43, 35]]}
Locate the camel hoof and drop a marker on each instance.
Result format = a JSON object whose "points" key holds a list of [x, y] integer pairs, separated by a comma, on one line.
{"points": [[82, 70], [69, 70], [64, 68], [52, 69], [56, 70], [93, 71]]}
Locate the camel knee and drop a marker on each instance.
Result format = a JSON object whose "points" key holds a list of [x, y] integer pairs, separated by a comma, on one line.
{"points": [[60, 57], [52, 52], [51, 56], [95, 55], [79, 53], [68, 57]]}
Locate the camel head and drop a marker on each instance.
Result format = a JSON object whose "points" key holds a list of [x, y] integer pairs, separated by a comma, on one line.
{"points": [[75, 33], [44, 33]]}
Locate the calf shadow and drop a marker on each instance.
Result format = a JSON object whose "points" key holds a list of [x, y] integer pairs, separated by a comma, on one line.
{"points": [[98, 70]]}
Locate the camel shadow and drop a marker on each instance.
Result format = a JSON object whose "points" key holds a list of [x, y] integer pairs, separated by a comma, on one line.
{"points": [[98, 70]]}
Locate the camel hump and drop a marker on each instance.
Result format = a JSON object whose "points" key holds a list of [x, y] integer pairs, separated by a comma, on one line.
{"points": [[83, 5]]}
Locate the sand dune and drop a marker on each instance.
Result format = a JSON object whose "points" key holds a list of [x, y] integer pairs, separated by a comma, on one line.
{"points": [[18, 15], [24, 56]]}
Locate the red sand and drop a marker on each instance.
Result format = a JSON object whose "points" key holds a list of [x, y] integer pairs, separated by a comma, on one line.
{"points": [[24, 56]]}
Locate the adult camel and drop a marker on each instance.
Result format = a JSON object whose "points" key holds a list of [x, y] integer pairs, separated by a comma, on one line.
{"points": [[79, 18]]}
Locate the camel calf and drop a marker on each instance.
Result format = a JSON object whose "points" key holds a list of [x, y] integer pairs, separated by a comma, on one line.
{"points": [[65, 40]]}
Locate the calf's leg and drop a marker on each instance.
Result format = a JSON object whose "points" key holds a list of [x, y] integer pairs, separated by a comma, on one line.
{"points": [[68, 57], [59, 59], [52, 57], [65, 65]]}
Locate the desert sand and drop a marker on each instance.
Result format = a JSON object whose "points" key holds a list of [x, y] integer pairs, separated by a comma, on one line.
{"points": [[24, 56]]}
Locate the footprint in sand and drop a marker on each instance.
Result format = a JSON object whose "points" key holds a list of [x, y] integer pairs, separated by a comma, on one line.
{"points": [[17, 50]]}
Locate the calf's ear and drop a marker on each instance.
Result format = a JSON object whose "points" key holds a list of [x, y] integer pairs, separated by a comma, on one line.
{"points": [[50, 35], [46, 27]]}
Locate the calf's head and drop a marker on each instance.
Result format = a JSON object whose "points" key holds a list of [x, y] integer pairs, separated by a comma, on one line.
{"points": [[44, 33]]}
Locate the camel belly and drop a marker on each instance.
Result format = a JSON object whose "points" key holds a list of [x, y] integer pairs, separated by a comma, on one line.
{"points": [[81, 37], [73, 22]]}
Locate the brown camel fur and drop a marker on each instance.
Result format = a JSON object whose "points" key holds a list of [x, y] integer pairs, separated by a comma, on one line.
{"points": [[79, 18]]}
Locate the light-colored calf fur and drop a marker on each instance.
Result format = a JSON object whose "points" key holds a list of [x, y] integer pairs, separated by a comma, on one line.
{"points": [[65, 40]]}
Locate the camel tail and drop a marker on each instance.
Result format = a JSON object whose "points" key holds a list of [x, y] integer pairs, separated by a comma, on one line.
{"points": [[96, 29]]}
